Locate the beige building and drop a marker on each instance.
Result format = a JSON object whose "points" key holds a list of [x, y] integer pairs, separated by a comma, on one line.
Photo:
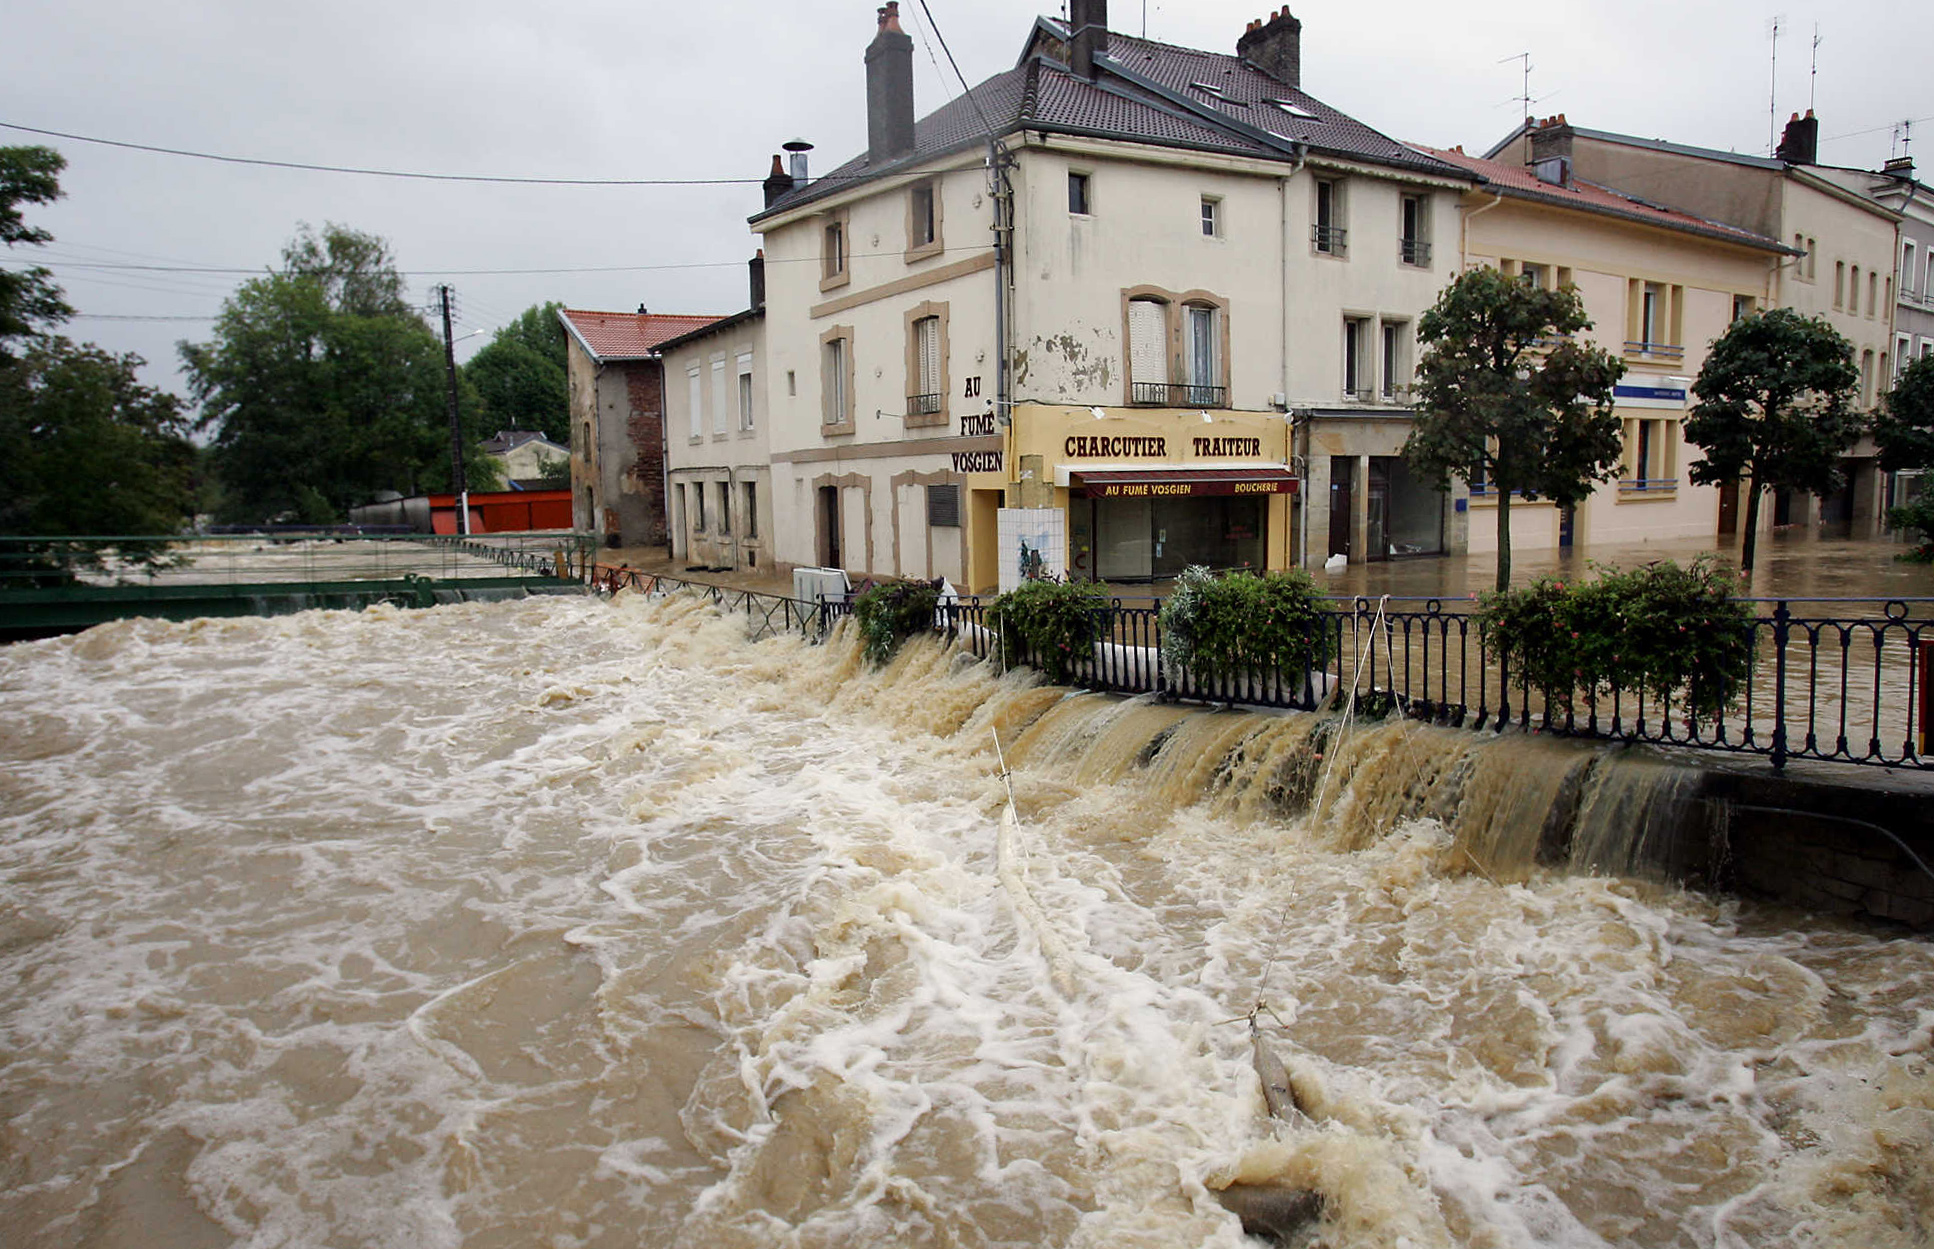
{"points": [[1659, 285], [717, 443], [1168, 276], [1841, 261]]}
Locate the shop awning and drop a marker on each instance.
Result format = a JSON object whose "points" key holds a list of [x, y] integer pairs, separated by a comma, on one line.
{"points": [[1171, 483]]}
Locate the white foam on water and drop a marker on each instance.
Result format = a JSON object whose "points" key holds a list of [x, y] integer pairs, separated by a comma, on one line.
{"points": [[572, 923]]}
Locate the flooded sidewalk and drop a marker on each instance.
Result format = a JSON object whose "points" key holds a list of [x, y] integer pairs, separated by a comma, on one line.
{"points": [[1795, 565]]}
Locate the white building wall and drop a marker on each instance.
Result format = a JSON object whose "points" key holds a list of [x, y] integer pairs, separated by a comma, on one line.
{"points": [[724, 452]]}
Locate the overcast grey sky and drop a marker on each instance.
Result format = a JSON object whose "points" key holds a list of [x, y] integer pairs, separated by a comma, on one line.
{"points": [[648, 89]]}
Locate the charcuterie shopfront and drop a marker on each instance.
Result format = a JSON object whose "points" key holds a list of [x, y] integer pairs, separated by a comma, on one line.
{"points": [[1148, 495]]}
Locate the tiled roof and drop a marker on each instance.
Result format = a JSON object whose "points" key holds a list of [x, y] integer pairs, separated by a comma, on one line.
{"points": [[1144, 93], [1248, 96], [1523, 183], [627, 335]]}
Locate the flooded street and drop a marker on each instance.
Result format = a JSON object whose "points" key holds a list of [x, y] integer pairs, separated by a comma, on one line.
{"points": [[563, 922]]}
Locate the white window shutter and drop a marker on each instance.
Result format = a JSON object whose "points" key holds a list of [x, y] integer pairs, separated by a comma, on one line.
{"points": [[928, 329], [1147, 341]]}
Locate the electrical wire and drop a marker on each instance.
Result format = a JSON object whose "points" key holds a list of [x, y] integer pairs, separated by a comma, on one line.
{"points": [[263, 271]]}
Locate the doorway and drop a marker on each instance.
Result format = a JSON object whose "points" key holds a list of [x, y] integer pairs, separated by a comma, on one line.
{"points": [[1342, 503], [829, 553], [1729, 508]]}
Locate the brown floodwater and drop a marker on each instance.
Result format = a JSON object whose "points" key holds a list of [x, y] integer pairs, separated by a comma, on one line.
{"points": [[576, 923]]}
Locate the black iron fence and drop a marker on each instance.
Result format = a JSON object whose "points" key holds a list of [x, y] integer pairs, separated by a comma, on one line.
{"points": [[1837, 680]]}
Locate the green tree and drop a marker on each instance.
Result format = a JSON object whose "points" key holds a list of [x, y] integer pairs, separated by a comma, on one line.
{"points": [[324, 386], [90, 450], [1774, 408], [519, 375], [1904, 432], [28, 297], [1507, 397]]}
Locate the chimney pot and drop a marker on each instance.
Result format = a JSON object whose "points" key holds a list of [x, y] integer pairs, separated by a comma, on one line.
{"points": [[1800, 144], [1275, 47], [641, 310]]}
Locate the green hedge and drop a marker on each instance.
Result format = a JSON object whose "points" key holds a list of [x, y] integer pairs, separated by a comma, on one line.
{"points": [[1661, 629], [1244, 625], [1052, 625], [1917, 516], [890, 612]]}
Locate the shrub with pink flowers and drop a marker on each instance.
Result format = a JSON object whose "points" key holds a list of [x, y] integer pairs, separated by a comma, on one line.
{"points": [[1675, 634]]}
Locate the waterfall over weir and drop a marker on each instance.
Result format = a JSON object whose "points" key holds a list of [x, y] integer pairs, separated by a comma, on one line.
{"points": [[571, 922]]}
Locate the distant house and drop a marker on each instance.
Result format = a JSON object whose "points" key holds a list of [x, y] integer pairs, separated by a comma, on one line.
{"points": [[527, 460], [617, 400]]}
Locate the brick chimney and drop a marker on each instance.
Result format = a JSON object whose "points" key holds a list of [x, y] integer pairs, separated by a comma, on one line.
{"points": [[889, 90], [1275, 46], [1088, 20], [1551, 142], [778, 182], [1800, 145]]}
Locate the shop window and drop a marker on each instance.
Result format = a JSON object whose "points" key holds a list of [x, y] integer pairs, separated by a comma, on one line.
{"points": [[725, 507], [698, 507]]}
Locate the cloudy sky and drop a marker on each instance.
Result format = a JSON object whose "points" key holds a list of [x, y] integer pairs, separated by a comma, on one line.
{"points": [[708, 91]]}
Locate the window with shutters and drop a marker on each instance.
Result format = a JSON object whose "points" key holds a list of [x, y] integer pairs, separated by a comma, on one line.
{"points": [[943, 507], [1178, 344], [927, 385], [695, 398], [1148, 351], [745, 393]]}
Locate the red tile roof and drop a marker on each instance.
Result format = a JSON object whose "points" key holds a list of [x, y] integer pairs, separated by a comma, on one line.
{"points": [[1523, 182], [628, 335]]}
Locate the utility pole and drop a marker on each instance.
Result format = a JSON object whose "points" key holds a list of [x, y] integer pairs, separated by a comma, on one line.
{"points": [[458, 484]]}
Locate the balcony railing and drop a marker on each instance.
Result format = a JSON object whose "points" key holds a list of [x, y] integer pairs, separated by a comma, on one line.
{"points": [[923, 405], [1640, 485], [1176, 395], [1413, 251], [1668, 351], [1334, 240]]}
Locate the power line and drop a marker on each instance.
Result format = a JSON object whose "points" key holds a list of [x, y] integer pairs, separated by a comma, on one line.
{"points": [[119, 316], [379, 173], [261, 271]]}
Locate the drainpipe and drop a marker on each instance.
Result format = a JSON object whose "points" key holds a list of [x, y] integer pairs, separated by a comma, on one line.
{"points": [[1289, 424], [1464, 227]]}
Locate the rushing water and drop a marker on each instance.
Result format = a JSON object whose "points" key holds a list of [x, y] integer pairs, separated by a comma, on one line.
{"points": [[569, 923]]}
